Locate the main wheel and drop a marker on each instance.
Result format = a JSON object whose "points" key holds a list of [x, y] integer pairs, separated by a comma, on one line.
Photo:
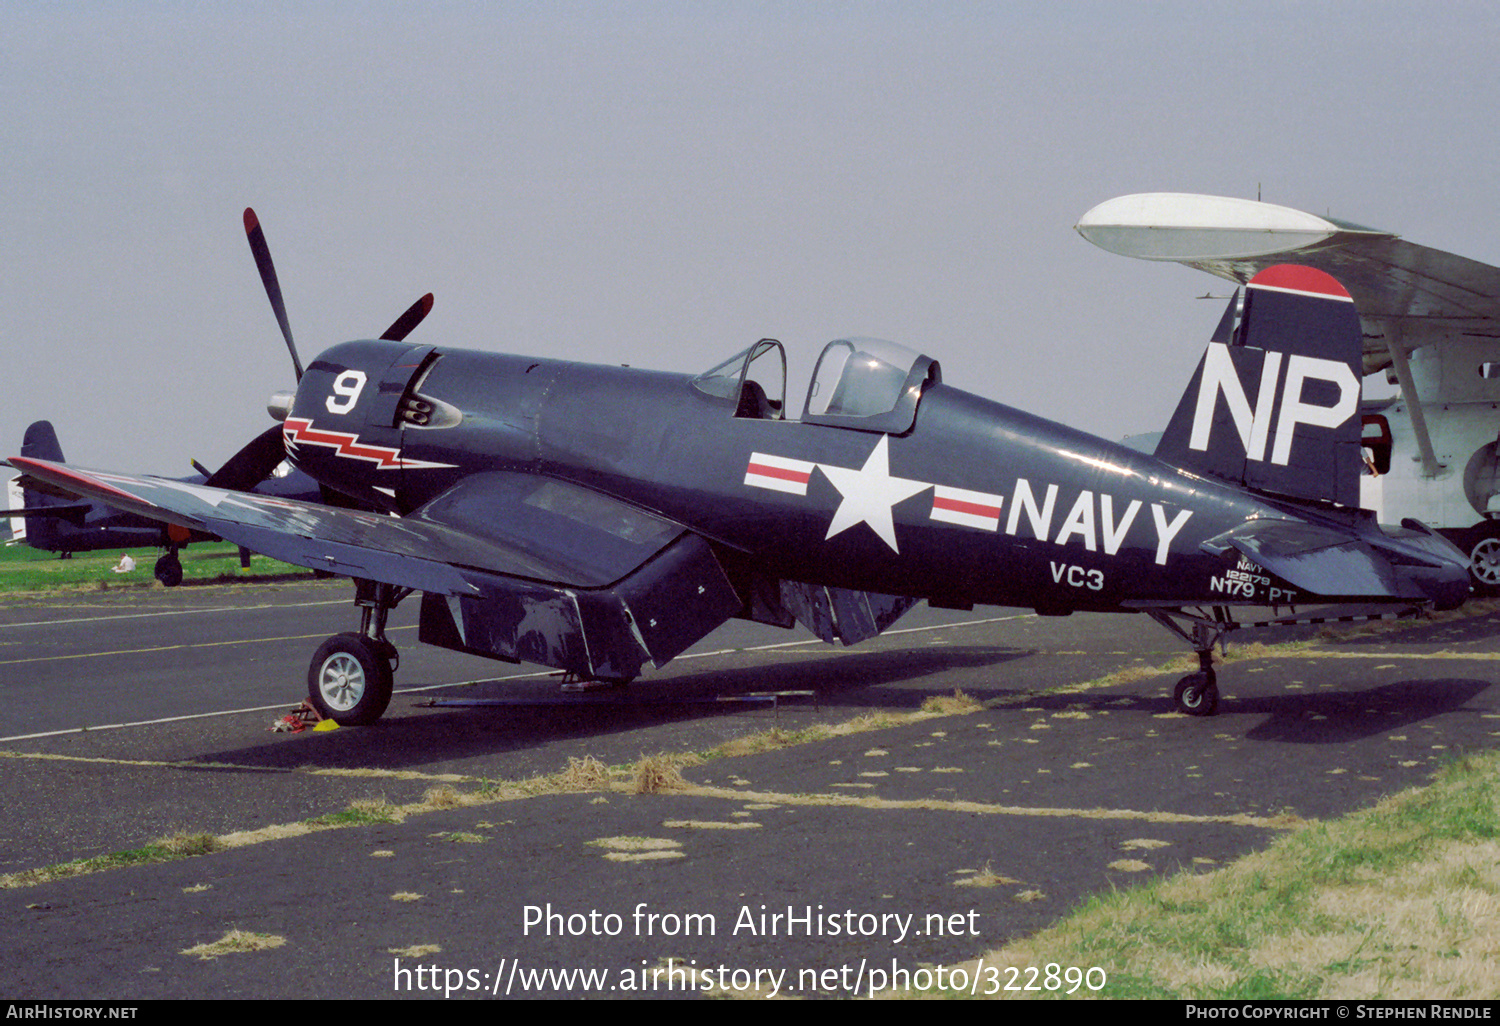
{"points": [[1197, 694], [349, 680], [1484, 558], [168, 570]]}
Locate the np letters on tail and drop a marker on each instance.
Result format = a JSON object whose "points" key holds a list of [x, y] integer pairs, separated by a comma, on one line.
{"points": [[1274, 403]]}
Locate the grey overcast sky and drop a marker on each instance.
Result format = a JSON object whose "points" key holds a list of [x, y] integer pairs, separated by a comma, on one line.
{"points": [[660, 184]]}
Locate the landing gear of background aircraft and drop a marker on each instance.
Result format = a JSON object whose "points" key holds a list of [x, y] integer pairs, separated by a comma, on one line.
{"points": [[1197, 694], [350, 678], [169, 570], [1484, 557]]}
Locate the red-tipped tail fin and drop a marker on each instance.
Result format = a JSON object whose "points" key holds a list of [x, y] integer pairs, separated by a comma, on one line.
{"points": [[1276, 406]]}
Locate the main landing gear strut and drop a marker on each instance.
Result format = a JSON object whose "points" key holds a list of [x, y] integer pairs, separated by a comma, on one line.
{"points": [[350, 677]]}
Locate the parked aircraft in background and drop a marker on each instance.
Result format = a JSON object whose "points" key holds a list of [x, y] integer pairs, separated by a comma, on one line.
{"points": [[66, 525], [598, 518], [1429, 320]]}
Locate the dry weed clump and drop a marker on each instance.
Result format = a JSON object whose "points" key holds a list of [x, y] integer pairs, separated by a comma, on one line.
{"points": [[985, 877], [655, 774], [586, 774], [957, 704], [183, 843], [442, 796]]}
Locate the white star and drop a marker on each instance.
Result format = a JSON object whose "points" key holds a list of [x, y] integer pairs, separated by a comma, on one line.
{"points": [[869, 493]]}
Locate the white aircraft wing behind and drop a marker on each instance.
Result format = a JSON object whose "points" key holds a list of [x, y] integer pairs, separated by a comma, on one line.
{"points": [[1408, 296]]}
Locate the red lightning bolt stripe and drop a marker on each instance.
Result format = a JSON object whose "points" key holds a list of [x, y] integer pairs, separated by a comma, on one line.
{"points": [[300, 431]]}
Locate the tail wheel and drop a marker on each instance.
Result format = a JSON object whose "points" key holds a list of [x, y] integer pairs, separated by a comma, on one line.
{"points": [[1484, 557], [349, 679], [1197, 694]]}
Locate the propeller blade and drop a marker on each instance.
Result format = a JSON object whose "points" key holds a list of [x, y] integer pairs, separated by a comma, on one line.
{"points": [[252, 464], [200, 468], [409, 320], [262, 254]]}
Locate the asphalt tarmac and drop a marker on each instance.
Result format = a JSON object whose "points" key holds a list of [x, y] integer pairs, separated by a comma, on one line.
{"points": [[827, 867]]}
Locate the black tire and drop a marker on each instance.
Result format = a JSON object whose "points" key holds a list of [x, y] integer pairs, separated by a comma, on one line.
{"points": [[168, 570], [349, 680], [1484, 558], [1197, 694], [391, 653]]}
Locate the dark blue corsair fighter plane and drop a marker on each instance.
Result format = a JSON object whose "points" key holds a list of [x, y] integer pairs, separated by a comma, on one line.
{"points": [[597, 518]]}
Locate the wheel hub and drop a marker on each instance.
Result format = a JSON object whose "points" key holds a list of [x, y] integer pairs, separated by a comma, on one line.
{"points": [[1484, 561], [341, 681]]}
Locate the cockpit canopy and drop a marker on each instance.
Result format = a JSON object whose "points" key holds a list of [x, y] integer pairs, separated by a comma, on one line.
{"points": [[869, 384], [753, 379], [861, 383]]}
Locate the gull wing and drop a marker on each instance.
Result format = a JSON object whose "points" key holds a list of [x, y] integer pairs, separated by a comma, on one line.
{"points": [[515, 566]]}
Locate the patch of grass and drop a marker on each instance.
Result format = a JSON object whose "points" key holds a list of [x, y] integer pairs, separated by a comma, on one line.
{"points": [[27, 572], [166, 849], [417, 950], [986, 877], [442, 796], [957, 704], [586, 774], [638, 849], [635, 843], [235, 941], [361, 812], [462, 837], [655, 774], [1398, 901]]}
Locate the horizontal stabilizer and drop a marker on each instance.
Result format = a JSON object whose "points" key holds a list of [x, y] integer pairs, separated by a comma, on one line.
{"points": [[72, 512], [1318, 560], [1410, 562]]}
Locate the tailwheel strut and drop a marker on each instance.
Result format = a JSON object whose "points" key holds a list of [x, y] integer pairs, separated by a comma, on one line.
{"points": [[1197, 694], [350, 678]]}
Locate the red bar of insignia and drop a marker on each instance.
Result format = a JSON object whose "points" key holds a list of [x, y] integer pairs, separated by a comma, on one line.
{"points": [[778, 473], [968, 509]]}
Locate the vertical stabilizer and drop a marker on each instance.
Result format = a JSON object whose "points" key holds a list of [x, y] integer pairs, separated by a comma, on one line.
{"points": [[41, 532], [1274, 405], [40, 443]]}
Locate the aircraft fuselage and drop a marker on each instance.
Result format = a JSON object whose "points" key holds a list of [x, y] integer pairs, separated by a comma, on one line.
{"points": [[977, 504]]}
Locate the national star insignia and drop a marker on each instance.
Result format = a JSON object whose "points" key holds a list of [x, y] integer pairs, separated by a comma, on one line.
{"points": [[869, 493]]}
